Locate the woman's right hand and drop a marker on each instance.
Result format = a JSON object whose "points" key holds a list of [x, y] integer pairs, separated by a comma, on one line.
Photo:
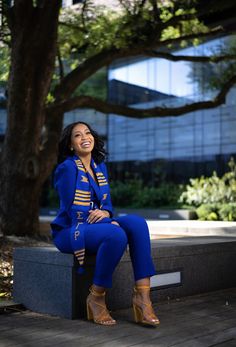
{"points": [[97, 215]]}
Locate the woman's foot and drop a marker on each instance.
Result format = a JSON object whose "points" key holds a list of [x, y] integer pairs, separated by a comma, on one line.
{"points": [[96, 308], [142, 305]]}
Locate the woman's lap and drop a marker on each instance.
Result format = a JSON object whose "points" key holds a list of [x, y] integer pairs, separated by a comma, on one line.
{"points": [[94, 235]]}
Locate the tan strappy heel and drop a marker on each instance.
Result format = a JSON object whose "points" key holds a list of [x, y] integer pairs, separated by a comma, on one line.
{"points": [[143, 311], [103, 317]]}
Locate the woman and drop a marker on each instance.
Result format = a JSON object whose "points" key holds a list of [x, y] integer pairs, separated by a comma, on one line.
{"points": [[85, 224]]}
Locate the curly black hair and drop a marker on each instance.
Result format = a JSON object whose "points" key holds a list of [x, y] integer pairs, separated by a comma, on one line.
{"points": [[64, 151]]}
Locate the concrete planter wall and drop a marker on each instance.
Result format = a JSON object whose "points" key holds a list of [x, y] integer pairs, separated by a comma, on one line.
{"points": [[157, 214]]}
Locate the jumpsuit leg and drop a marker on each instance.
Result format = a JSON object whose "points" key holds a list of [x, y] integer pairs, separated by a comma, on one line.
{"points": [[106, 240], [139, 245]]}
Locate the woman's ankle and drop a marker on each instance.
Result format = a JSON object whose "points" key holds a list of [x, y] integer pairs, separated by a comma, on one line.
{"points": [[97, 289]]}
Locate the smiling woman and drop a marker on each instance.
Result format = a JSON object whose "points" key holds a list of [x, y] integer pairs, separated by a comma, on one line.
{"points": [[82, 141], [85, 224]]}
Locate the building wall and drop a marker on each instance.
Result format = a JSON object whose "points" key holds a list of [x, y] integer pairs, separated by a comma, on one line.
{"points": [[188, 145]]}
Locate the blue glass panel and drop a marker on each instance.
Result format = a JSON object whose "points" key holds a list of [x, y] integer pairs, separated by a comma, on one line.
{"points": [[211, 150], [228, 149], [212, 115], [229, 132], [211, 133], [182, 136], [181, 152]]}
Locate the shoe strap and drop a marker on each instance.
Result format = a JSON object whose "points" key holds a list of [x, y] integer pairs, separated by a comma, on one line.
{"points": [[95, 292], [140, 288], [101, 317]]}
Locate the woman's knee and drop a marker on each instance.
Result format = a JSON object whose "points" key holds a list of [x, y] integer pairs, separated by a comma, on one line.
{"points": [[115, 223], [118, 235]]}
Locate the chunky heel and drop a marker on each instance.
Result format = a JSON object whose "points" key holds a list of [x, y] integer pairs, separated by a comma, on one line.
{"points": [[102, 317], [137, 314], [89, 312], [143, 311]]}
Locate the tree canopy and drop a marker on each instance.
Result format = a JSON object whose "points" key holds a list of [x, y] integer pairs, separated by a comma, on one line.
{"points": [[91, 37], [49, 58]]}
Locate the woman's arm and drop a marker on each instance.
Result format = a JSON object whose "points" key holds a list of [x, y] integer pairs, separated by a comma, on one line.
{"points": [[65, 183]]}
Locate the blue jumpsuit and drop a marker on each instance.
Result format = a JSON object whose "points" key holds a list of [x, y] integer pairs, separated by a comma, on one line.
{"points": [[72, 233]]}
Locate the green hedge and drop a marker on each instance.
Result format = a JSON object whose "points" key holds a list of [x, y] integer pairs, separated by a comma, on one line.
{"points": [[135, 194]]}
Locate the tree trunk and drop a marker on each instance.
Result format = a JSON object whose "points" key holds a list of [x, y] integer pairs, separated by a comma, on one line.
{"points": [[33, 52]]}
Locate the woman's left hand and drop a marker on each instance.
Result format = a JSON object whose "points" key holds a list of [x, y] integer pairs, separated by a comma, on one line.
{"points": [[97, 215]]}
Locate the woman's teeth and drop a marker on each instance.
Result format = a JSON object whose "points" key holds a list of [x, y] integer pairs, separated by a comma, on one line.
{"points": [[85, 144]]}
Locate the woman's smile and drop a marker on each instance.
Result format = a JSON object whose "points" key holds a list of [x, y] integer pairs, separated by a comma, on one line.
{"points": [[85, 144], [82, 141]]}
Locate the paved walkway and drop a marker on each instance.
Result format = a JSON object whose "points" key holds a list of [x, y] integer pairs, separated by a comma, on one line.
{"points": [[199, 321]]}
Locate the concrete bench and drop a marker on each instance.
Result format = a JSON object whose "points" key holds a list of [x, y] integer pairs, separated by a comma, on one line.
{"points": [[46, 281]]}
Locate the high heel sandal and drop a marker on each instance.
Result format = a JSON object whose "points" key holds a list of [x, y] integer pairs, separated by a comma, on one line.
{"points": [[103, 317], [143, 312]]}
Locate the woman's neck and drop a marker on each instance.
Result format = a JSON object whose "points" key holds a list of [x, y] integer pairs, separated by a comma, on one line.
{"points": [[86, 160]]}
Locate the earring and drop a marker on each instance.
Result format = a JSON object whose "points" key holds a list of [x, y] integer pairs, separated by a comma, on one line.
{"points": [[71, 148]]}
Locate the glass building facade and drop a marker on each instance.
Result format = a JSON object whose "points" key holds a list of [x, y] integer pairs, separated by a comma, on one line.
{"points": [[181, 147], [176, 148]]}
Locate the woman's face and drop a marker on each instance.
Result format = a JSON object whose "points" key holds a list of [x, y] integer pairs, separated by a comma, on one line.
{"points": [[82, 141]]}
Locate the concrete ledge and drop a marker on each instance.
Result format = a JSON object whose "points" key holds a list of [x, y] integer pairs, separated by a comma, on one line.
{"points": [[192, 228], [45, 280], [157, 214]]}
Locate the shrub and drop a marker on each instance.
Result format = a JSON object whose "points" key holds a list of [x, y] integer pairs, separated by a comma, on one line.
{"points": [[227, 212], [124, 194], [134, 193], [207, 212], [212, 190]]}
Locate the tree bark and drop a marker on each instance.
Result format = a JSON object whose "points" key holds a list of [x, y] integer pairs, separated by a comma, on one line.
{"points": [[84, 101], [33, 52]]}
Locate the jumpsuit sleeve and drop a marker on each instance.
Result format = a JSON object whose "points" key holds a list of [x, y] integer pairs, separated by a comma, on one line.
{"points": [[108, 203], [65, 183]]}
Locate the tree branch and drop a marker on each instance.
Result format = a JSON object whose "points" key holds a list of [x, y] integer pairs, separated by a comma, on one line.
{"points": [[104, 107], [156, 11], [194, 59], [60, 63], [86, 69], [107, 56]]}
